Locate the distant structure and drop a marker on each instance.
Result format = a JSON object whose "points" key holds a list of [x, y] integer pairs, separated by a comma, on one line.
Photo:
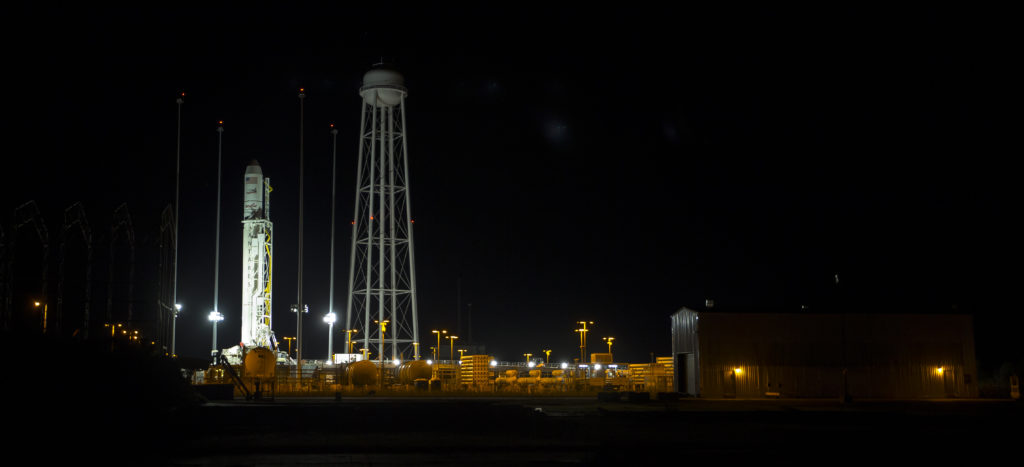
{"points": [[382, 272], [257, 258], [846, 355]]}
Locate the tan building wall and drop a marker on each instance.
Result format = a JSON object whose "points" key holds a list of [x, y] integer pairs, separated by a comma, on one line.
{"points": [[888, 356]]}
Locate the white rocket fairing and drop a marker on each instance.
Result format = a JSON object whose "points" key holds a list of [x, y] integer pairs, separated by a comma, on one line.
{"points": [[253, 205], [257, 255]]}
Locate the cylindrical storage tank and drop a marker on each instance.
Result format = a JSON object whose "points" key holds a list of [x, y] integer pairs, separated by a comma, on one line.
{"points": [[361, 373], [409, 372], [510, 377], [260, 363], [534, 377]]}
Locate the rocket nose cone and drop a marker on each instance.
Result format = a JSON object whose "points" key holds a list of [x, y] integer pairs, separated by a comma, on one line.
{"points": [[254, 168]]}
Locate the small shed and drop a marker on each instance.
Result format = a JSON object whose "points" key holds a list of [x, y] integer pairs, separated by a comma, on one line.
{"points": [[823, 355]]}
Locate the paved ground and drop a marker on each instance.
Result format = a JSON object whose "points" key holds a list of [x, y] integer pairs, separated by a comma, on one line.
{"points": [[557, 431], [76, 403]]}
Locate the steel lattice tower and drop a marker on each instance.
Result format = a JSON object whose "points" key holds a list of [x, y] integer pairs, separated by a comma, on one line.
{"points": [[382, 271]]}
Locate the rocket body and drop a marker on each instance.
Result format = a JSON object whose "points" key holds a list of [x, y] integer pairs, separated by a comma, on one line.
{"points": [[257, 259], [252, 207]]}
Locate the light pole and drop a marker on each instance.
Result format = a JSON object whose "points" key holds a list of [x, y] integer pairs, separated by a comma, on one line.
{"points": [[348, 339], [177, 210], [383, 329], [289, 339], [215, 317], [330, 319], [609, 341], [461, 353], [298, 326], [583, 339], [451, 349], [547, 357], [527, 355], [298, 301], [174, 329], [113, 330], [37, 304], [330, 305], [437, 352]]}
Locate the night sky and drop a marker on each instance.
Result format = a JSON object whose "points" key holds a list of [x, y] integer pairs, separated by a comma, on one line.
{"points": [[566, 163]]}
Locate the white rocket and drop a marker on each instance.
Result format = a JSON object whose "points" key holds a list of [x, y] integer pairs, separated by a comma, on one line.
{"points": [[257, 255]]}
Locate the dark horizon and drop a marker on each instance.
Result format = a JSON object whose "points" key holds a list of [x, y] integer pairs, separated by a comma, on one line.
{"points": [[614, 171]]}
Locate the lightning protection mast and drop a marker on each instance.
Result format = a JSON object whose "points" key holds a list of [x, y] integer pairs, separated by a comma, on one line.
{"points": [[382, 271]]}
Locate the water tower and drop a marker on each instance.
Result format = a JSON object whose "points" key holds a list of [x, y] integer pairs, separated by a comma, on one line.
{"points": [[382, 272]]}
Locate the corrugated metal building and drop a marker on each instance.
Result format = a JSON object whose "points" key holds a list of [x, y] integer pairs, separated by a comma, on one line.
{"points": [[888, 356]]}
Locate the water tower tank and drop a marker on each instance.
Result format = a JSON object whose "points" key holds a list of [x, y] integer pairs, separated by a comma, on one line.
{"points": [[383, 87]]}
